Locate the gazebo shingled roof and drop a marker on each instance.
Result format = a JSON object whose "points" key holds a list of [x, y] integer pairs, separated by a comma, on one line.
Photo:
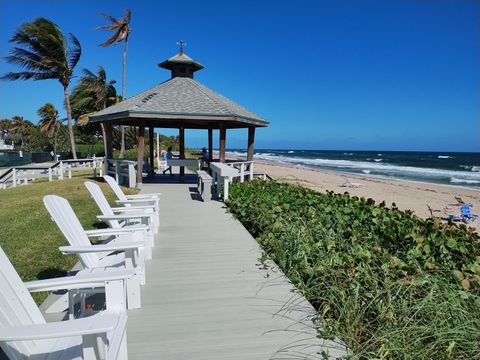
{"points": [[182, 103]]}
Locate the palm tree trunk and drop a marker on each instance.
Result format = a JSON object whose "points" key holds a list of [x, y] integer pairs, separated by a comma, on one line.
{"points": [[70, 125], [124, 73]]}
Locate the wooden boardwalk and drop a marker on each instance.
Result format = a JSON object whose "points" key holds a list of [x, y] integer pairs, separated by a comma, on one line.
{"points": [[207, 296]]}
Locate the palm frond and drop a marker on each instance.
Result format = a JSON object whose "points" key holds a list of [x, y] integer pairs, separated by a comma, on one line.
{"points": [[84, 119], [112, 39], [74, 52], [106, 27], [28, 75], [128, 15], [109, 17]]}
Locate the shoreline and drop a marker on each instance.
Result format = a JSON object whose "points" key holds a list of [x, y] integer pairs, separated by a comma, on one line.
{"points": [[406, 194], [369, 176]]}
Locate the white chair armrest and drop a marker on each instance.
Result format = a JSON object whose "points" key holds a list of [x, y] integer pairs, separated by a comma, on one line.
{"points": [[98, 324], [101, 248], [133, 201], [79, 281], [141, 196], [124, 217], [131, 208], [119, 231]]}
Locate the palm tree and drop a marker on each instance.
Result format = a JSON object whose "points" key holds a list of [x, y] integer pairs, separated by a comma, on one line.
{"points": [[21, 127], [93, 93], [121, 28], [49, 122], [43, 53]]}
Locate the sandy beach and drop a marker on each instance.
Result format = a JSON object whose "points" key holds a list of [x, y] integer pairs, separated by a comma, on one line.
{"points": [[409, 195]]}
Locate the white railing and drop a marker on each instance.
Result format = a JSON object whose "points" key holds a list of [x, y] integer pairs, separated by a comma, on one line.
{"points": [[123, 171], [22, 175], [243, 167], [96, 164]]}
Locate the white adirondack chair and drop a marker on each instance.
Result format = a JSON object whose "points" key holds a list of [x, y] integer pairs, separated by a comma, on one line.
{"points": [[126, 251], [24, 333], [126, 217], [138, 199]]}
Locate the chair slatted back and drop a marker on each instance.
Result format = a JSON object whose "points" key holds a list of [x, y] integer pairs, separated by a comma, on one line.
{"points": [[17, 308], [67, 221], [115, 187], [102, 202]]}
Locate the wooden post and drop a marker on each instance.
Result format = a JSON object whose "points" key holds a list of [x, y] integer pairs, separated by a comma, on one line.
{"points": [[223, 135], [108, 144], [181, 133], [210, 145], [151, 142], [140, 153], [251, 140]]}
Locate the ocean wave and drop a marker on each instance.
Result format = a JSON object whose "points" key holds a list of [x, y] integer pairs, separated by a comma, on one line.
{"points": [[376, 167], [366, 171], [377, 160], [347, 153], [475, 168], [291, 152], [379, 154], [465, 181], [444, 157]]}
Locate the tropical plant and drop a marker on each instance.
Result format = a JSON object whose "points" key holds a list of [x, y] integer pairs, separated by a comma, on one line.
{"points": [[49, 122], [121, 29], [43, 53], [22, 128], [389, 284], [93, 93]]}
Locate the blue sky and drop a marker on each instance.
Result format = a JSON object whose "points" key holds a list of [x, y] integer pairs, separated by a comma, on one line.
{"points": [[359, 75]]}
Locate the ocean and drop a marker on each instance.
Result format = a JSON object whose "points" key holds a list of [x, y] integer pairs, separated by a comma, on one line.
{"points": [[447, 168]]}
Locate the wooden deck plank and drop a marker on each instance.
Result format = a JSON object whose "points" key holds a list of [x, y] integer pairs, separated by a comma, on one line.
{"points": [[207, 297]]}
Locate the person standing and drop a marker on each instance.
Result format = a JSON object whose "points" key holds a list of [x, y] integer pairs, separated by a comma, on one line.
{"points": [[166, 155]]}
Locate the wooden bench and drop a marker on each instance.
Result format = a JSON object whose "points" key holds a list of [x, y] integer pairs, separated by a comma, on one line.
{"points": [[204, 184]]}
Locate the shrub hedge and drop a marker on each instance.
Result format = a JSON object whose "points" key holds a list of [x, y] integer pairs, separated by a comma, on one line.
{"points": [[391, 285]]}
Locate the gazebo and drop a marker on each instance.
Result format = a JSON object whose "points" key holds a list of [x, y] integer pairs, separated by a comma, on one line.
{"points": [[183, 103]]}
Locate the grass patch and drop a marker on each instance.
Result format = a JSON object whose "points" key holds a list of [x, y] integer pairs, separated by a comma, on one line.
{"points": [[389, 284], [29, 236]]}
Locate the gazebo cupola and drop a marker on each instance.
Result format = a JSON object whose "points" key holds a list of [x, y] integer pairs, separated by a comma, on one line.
{"points": [[181, 65]]}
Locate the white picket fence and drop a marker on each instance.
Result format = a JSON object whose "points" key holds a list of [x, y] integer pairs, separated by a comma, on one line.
{"points": [[16, 176]]}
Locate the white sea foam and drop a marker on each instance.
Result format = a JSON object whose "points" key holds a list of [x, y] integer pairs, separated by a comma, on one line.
{"points": [[377, 167], [377, 160], [444, 157], [464, 181], [379, 154], [366, 171], [475, 168], [291, 152]]}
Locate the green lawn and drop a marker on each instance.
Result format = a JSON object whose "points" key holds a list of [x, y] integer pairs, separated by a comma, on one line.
{"points": [[28, 235]]}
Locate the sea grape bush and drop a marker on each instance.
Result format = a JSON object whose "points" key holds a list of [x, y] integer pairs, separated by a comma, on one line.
{"points": [[390, 284]]}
